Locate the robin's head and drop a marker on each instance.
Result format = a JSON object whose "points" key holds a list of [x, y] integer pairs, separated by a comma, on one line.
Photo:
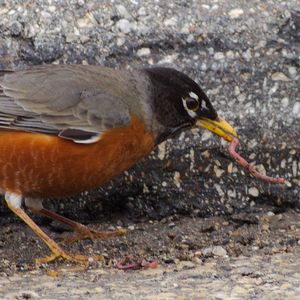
{"points": [[179, 103]]}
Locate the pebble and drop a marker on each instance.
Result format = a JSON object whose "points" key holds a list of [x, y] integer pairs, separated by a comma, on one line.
{"points": [[230, 54], [123, 11], [168, 59], [171, 225], [120, 41], [124, 26], [292, 71], [279, 76], [253, 191], [296, 108], [162, 150], [142, 11], [143, 52], [219, 56], [131, 227], [214, 251], [81, 2], [170, 22], [285, 102], [231, 193], [294, 168], [71, 37], [235, 13], [15, 28], [177, 179], [219, 190], [218, 171]]}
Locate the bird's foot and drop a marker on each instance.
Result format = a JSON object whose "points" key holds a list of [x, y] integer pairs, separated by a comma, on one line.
{"points": [[78, 258], [84, 232]]}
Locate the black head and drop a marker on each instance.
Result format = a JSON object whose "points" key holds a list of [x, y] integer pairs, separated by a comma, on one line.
{"points": [[178, 101]]}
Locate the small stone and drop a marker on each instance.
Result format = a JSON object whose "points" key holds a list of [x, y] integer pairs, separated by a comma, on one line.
{"points": [[296, 181], [235, 13], [231, 193], [219, 251], [219, 56], [142, 11], [143, 52], [71, 38], [247, 55], [253, 191], [219, 190], [214, 251], [261, 169], [162, 150], [120, 42], [294, 168], [84, 38], [218, 171], [292, 71], [168, 59], [15, 28], [285, 102], [190, 38], [124, 26], [177, 179], [171, 225], [265, 227], [236, 90], [230, 54], [296, 108], [131, 227], [145, 189], [88, 21], [283, 164], [170, 22], [242, 97], [279, 76], [123, 11]]}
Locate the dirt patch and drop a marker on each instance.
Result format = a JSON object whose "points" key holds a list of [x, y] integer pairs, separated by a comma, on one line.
{"points": [[258, 231]]}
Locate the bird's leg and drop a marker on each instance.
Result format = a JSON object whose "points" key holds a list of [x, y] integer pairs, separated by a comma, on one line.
{"points": [[14, 203], [83, 232]]}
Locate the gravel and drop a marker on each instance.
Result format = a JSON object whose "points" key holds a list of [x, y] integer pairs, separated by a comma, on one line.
{"points": [[245, 55]]}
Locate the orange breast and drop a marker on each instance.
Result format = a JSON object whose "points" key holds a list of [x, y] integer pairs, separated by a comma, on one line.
{"points": [[38, 165]]}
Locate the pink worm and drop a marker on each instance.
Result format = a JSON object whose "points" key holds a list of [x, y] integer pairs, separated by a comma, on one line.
{"points": [[128, 264], [241, 161]]}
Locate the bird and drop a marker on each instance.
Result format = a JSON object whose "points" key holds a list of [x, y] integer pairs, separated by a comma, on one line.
{"points": [[66, 129]]}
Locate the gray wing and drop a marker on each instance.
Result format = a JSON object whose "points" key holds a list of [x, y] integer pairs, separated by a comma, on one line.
{"points": [[73, 102]]}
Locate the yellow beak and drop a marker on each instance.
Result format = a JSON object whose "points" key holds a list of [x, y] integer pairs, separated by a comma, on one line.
{"points": [[219, 127]]}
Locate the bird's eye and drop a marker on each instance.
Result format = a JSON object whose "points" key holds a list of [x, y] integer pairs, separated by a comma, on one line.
{"points": [[192, 103]]}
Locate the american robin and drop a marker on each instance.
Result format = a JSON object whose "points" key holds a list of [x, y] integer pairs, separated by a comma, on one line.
{"points": [[65, 129]]}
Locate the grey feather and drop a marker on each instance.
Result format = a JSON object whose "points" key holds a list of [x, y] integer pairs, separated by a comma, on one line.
{"points": [[73, 102]]}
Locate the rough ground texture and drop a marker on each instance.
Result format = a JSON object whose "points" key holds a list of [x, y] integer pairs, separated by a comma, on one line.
{"points": [[188, 195]]}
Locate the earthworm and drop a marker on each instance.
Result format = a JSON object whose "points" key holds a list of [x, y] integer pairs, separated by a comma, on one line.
{"points": [[241, 161]]}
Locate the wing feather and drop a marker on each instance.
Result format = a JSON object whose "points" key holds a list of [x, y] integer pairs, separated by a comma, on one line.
{"points": [[72, 102]]}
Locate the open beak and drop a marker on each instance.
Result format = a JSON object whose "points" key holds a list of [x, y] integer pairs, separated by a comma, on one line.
{"points": [[219, 127]]}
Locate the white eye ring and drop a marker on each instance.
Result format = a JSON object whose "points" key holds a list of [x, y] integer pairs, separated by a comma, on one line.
{"points": [[191, 113]]}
